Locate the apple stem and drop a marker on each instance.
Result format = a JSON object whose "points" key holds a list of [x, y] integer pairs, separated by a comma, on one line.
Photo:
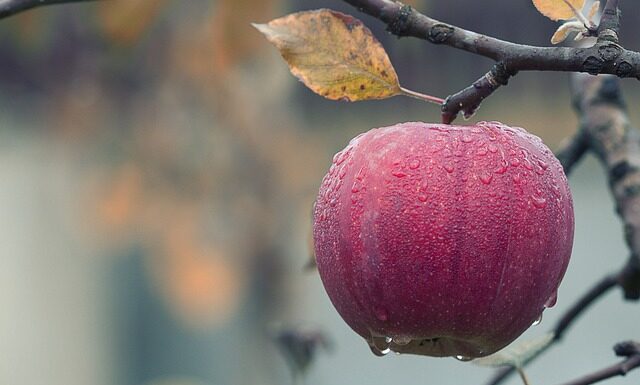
{"points": [[418, 95], [523, 375]]}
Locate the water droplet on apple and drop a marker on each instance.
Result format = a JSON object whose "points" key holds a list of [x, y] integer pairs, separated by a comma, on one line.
{"points": [[380, 345], [399, 174], [537, 321], [516, 178], [341, 156], [538, 201], [467, 138], [414, 163], [543, 164], [486, 178], [515, 162], [551, 302], [422, 197], [501, 169], [448, 168], [379, 352], [401, 340], [463, 358]]}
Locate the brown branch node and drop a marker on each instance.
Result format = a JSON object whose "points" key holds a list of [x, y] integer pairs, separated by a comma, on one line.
{"points": [[400, 22]]}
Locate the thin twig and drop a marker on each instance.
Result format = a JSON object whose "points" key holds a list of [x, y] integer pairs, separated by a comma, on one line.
{"points": [[12, 7], [610, 22]]}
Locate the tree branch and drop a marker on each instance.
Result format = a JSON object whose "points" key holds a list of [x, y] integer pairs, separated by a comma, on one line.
{"points": [[11, 7], [604, 57], [616, 143], [610, 21]]}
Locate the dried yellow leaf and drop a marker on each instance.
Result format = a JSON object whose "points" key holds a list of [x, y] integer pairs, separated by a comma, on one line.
{"points": [[334, 55], [558, 9]]}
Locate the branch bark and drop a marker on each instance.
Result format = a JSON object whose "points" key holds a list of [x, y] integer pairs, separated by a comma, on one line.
{"points": [[616, 143], [606, 56], [12, 7]]}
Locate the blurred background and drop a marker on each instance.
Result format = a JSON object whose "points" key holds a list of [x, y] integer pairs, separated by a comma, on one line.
{"points": [[158, 166]]}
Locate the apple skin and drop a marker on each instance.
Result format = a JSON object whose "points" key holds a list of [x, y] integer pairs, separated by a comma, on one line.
{"points": [[443, 240]]}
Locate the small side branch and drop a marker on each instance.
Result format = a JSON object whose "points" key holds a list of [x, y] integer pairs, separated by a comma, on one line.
{"points": [[609, 27], [12, 7]]}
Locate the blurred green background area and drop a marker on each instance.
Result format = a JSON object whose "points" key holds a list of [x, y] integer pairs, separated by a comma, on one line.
{"points": [[159, 165]]}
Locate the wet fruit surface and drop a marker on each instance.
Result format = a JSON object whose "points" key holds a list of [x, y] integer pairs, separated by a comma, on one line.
{"points": [[443, 240]]}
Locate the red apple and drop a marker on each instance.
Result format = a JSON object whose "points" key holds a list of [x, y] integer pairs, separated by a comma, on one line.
{"points": [[443, 240]]}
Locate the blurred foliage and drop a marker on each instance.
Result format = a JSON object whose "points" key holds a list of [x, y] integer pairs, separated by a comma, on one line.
{"points": [[183, 154]]}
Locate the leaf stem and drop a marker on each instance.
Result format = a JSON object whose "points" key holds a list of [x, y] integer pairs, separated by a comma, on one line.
{"points": [[523, 375], [423, 97]]}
